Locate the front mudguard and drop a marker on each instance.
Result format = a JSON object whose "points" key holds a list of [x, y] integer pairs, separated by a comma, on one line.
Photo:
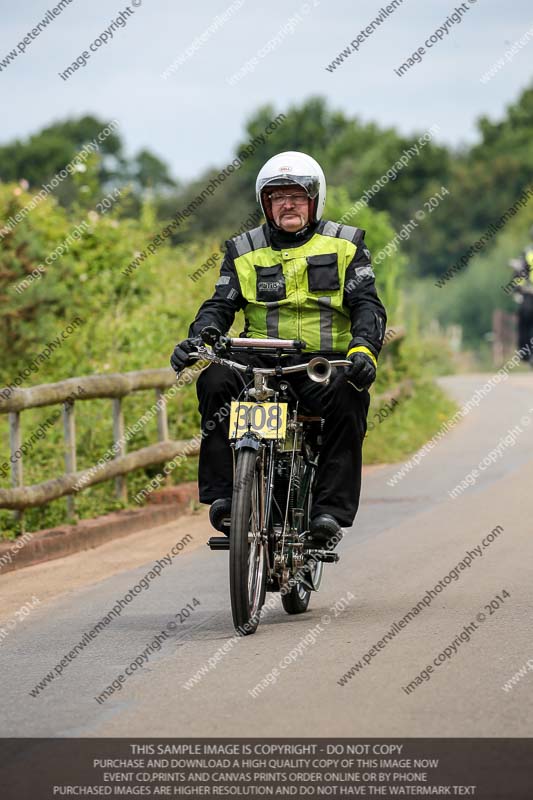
{"points": [[249, 441]]}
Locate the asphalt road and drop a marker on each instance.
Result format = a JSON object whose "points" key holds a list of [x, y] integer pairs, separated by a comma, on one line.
{"points": [[406, 539]]}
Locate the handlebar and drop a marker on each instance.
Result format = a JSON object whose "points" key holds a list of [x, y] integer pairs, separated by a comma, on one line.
{"points": [[266, 371], [220, 344]]}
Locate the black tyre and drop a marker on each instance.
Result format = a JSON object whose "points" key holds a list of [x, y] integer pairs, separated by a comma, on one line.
{"points": [[247, 552], [297, 600]]}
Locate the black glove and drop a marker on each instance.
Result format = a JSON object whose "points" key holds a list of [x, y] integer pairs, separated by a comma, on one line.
{"points": [[180, 356], [362, 373]]}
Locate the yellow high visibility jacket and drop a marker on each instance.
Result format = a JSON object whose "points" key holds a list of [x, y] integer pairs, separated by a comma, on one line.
{"points": [[321, 290]]}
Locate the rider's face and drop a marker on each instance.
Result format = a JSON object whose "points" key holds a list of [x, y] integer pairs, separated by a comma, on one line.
{"points": [[290, 216]]}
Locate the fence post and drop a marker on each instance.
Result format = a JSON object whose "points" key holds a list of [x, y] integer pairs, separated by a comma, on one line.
{"points": [[16, 461], [69, 428], [162, 423], [121, 486], [162, 419]]}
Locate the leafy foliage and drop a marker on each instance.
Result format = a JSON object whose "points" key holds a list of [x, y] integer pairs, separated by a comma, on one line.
{"points": [[132, 322]]}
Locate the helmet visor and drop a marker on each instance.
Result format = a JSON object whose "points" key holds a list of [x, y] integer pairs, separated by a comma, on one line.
{"points": [[307, 182]]}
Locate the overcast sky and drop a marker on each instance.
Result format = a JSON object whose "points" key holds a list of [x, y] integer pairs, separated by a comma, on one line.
{"points": [[194, 118]]}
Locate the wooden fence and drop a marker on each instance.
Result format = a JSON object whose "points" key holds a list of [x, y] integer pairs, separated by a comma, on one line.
{"points": [[504, 336], [116, 463]]}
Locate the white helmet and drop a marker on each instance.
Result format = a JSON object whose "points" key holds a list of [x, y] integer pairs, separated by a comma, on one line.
{"points": [[297, 168]]}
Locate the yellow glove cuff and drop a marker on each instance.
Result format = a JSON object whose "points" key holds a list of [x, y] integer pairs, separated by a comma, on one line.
{"points": [[361, 349]]}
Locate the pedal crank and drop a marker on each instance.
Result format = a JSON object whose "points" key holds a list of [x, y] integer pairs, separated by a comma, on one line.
{"points": [[327, 556], [218, 543]]}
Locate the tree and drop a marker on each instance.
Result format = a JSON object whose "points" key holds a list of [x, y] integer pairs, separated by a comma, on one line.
{"points": [[149, 172], [46, 153]]}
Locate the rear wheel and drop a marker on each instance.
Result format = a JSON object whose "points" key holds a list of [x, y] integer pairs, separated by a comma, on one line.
{"points": [[297, 599], [247, 556]]}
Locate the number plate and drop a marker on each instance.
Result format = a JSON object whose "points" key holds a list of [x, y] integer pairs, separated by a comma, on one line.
{"points": [[267, 420]]}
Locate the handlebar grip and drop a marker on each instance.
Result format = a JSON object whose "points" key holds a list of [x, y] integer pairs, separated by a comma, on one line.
{"points": [[268, 344]]}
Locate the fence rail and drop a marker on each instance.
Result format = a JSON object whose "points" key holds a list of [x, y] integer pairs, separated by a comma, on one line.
{"points": [[93, 386], [114, 387]]}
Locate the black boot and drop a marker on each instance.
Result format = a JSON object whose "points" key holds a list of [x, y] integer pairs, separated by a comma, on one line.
{"points": [[220, 515], [324, 532]]}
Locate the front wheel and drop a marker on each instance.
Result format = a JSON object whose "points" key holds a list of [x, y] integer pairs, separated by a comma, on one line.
{"points": [[247, 556]]}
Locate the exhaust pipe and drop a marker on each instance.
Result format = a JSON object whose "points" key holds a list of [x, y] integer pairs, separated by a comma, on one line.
{"points": [[319, 370]]}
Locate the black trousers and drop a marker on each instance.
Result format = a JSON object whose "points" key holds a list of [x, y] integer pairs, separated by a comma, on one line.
{"points": [[525, 324], [344, 409]]}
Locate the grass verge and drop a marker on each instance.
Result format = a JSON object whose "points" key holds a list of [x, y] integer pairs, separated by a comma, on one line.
{"points": [[399, 433]]}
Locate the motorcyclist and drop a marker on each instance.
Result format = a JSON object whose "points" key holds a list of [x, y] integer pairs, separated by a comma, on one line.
{"points": [[522, 288], [295, 276]]}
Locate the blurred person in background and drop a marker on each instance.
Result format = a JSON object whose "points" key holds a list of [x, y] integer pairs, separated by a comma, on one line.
{"points": [[522, 288]]}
